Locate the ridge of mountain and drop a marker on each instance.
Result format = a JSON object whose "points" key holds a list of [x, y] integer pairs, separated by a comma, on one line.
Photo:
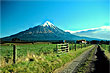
{"points": [[47, 31]]}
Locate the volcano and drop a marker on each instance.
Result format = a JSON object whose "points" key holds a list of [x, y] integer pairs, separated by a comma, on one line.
{"points": [[46, 31]]}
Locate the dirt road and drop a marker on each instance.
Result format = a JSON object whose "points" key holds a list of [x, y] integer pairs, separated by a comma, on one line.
{"points": [[102, 63], [76, 62]]}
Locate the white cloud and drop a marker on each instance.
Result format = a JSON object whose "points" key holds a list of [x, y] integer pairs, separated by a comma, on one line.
{"points": [[70, 31], [107, 28]]}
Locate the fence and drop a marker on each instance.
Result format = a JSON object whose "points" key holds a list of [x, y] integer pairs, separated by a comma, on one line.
{"points": [[62, 48]]}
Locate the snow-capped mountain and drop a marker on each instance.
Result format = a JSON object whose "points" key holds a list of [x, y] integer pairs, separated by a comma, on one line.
{"points": [[100, 33], [46, 31], [47, 23]]}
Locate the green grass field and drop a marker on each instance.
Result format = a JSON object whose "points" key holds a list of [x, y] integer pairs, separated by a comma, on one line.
{"points": [[106, 49], [36, 58]]}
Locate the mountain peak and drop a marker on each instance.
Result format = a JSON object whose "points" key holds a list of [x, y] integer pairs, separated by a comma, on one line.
{"points": [[47, 23]]}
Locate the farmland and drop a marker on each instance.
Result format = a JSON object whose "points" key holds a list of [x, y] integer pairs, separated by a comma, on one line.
{"points": [[37, 57]]}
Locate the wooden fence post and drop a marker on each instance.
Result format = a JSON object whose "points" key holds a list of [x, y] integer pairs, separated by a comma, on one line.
{"points": [[81, 45], [14, 54], [75, 46], [56, 48], [72, 45]]}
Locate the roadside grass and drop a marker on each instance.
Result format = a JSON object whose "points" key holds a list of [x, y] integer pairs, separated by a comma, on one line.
{"points": [[40, 58], [106, 49]]}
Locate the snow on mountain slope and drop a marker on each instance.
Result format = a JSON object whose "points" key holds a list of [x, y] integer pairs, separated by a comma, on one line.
{"points": [[46, 31], [47, 23]]}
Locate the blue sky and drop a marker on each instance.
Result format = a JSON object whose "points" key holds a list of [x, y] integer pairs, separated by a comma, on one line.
{"points": [[71, 15]]}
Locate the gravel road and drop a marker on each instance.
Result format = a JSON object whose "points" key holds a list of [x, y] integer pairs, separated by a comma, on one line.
{"points": [[76, 62]]}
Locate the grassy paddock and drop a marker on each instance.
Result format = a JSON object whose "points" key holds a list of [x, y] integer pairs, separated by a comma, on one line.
{"points": [[37, 58], [106, 49]]}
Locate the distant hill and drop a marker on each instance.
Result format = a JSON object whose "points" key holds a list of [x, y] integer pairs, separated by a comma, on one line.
{"points": [[46, 31]]}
